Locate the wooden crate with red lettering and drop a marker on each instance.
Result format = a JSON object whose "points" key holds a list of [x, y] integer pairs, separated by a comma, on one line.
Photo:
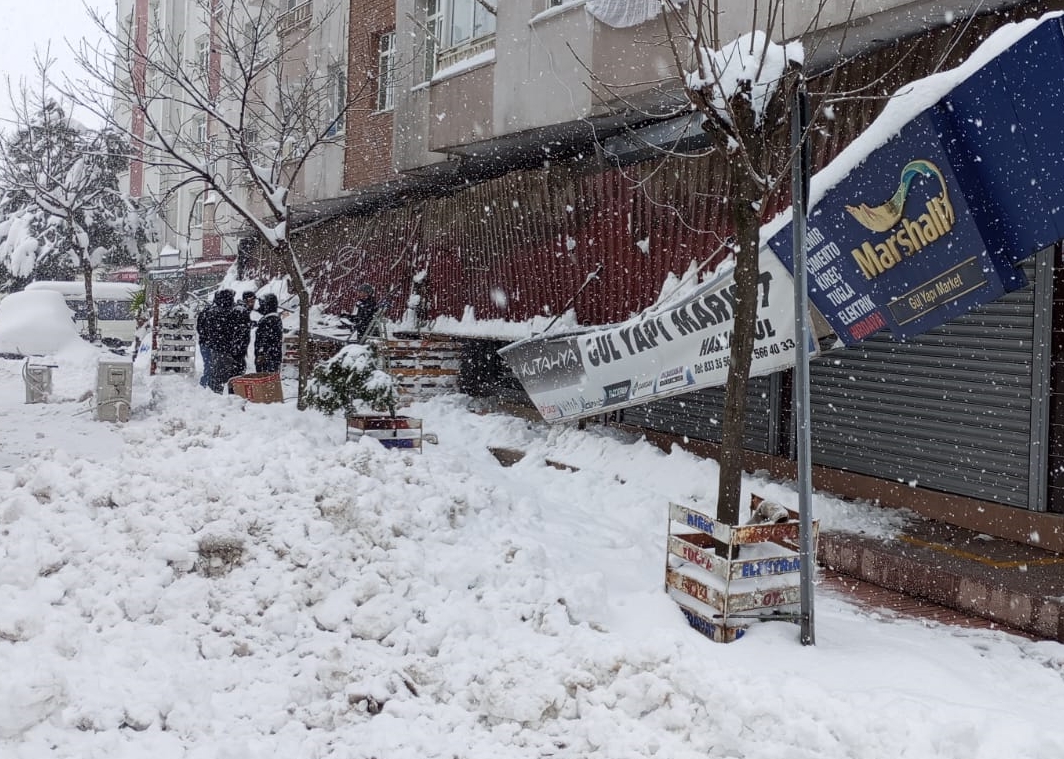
{"points": [[753, 577], [396, 432]]}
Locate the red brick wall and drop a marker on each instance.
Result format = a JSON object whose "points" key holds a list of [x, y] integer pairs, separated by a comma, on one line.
{"points": [[368, 134]]}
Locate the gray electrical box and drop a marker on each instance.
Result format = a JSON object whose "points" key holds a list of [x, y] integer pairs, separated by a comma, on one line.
{"points": [[114, 390], [38, 379]]}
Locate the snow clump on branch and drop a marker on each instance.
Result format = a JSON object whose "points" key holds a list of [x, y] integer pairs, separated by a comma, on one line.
{"points": [[752, 60]]}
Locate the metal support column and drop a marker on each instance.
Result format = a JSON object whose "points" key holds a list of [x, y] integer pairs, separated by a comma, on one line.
{"points": [[800, 191]]}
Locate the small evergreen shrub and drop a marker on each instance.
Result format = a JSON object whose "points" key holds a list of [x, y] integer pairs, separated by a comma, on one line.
{"points": [[353, 382]]}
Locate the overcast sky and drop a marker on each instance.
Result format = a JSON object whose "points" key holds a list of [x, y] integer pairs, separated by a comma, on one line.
{"points": [[27, 26]]}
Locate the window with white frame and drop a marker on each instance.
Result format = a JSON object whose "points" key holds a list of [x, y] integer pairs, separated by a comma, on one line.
{"points": [[250, 138], [433, 33], [468, 20], [195, 218], [451, 24], [201, 132], [386, 72], [203, 54], [337, 97], [256, 46]]}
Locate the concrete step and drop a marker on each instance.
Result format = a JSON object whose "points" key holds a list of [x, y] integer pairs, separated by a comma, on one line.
{"points": [[1011, 584]]}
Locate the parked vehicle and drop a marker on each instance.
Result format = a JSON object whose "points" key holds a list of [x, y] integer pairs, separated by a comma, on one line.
{"points": [[115, 320], [34, 324]]}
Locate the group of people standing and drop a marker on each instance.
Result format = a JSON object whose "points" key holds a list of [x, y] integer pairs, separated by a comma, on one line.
{"points": [[225, 328]]}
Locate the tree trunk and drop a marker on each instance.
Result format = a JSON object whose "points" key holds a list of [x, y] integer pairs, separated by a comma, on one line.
{"points": [[747, 271], [290, 262], [304, 346], [90, 303]]}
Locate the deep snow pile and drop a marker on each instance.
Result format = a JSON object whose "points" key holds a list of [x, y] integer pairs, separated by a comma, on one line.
{"points": [[218, 581]]}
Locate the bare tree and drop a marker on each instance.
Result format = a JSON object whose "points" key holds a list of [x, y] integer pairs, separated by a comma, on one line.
{"points": [[237, 124], [741, 85], [738, 84]]}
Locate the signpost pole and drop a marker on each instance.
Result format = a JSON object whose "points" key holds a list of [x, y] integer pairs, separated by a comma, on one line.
{"points": [[800, 193]]}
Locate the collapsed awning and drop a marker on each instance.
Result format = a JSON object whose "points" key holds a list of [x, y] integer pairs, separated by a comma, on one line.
{"points": [[675, 347]]}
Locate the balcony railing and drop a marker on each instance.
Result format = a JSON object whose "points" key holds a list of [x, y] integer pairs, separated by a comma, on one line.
{"points": [[465, 51], [294, 18]]}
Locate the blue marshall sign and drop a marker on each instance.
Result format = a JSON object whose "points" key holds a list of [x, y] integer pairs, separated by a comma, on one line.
{"points": [[894, 245]]}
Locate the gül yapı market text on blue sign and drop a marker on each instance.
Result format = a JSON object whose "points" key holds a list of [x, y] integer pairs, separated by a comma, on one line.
{"points": [[894, 245]]}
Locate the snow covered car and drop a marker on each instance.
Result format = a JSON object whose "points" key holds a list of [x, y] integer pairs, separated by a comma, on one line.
{"points": [[114, 315], [35, 323]]}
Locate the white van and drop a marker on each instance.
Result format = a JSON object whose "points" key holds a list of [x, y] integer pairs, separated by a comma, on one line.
{"points": [[115, 321]]}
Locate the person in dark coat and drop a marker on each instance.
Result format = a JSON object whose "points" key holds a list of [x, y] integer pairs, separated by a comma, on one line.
{"points": [[268, 336], [207, 322], [205, 352], [225, 338], [365, 309], [245, 309]]}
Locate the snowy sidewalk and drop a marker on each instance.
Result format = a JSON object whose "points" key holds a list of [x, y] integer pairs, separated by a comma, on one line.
{"points": [[216, 579]]}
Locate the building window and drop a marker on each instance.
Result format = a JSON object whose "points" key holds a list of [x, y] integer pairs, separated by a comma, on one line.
{"points": [[337, 85], [201, 132], [195, 219], [456, 29], [468, 20], [203, 54], [386, 72], [433, 33], [256, 48], [250, 138]]}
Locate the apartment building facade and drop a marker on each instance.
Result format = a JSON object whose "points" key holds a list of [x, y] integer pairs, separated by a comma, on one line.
{"points": [[196, 228]]}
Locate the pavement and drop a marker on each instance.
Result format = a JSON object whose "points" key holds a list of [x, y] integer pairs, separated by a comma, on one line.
{"points": [[1013, 585]]}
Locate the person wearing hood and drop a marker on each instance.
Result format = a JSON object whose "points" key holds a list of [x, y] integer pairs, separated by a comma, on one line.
{"points": [[222, 333], [269, 335], [210, 323], [366, 308]]}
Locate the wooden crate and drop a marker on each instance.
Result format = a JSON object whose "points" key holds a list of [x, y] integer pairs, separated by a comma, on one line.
{"points": [[258, 387], [319, 348], [722, 596], [423, 368], [396, 432], [174, 344]]}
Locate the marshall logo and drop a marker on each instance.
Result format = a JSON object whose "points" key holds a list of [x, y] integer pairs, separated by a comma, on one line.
{"points": [[909, 235]]}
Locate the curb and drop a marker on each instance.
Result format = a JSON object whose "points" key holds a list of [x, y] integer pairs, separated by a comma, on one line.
{"points": [[925, 573]]}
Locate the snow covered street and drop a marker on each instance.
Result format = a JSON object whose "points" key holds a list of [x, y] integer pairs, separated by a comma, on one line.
{"points": [[223, 580]]}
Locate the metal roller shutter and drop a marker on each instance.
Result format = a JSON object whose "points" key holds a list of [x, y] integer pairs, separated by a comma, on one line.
{"points": [[949, 411], [698, 415]]}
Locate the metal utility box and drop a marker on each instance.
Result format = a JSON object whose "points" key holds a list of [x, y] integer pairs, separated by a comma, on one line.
{"points": [[114, 390], [38, 379]]}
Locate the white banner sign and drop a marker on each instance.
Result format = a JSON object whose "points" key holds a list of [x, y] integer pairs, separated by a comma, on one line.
{"points": [[672, 349]]}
